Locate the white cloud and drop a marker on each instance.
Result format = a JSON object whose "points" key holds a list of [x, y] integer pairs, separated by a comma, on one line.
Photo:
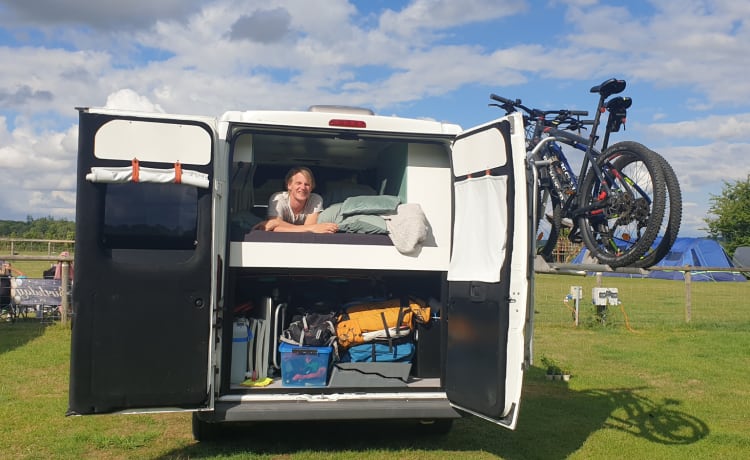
{"points": [[434, 15], [685, 44], [127, 99], [714, 127], [698, 166]]}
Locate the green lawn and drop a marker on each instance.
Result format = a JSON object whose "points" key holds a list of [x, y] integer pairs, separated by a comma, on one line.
{"points": [[662, 388]]}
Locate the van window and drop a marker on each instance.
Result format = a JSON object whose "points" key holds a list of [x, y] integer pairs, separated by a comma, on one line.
{"points": [[150, 216]]}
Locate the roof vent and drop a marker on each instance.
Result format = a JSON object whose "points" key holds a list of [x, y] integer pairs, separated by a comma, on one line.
{"points": [[341, 109]]}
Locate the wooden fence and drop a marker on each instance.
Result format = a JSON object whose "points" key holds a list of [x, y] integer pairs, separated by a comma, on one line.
{"points": [[540, 266], [65, 262], [14, 245]]}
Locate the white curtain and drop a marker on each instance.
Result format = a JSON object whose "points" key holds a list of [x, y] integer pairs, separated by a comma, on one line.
{"points": [[479, 231]]}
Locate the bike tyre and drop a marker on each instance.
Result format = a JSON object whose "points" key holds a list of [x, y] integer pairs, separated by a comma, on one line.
{"points": [[673, 215], [602, 240]]}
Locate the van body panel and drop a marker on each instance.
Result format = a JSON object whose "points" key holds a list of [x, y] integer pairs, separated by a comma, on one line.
{"points": [[145, 261], [489, 272]]}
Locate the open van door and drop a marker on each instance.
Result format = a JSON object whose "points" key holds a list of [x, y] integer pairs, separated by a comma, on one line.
{"points": [[145, 276], [490, 271]]}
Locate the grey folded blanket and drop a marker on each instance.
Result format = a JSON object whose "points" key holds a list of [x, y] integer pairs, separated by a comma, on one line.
{"points": [[408, 228]]}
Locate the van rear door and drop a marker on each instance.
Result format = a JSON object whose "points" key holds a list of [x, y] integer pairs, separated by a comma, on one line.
{"points": [[144, 272], [490, 271]]}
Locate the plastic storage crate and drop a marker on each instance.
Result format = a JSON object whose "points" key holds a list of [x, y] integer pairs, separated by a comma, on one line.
{"points": [[304, 366]]}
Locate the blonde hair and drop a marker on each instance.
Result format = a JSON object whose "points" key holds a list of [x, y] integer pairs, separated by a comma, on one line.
{"points": [[305, 171]]}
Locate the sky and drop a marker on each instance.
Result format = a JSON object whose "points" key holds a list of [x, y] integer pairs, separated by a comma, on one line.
{"points": [[685, 63]]}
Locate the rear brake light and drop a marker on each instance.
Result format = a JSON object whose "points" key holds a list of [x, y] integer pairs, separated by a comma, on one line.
{"points": [[347, 123]]}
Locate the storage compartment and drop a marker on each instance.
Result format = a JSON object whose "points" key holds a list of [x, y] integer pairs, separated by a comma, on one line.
{"points": [[279, 296], [304, 366]]}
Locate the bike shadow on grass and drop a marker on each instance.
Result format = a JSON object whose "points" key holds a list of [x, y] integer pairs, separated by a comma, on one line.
{"points": [[555, 422]]}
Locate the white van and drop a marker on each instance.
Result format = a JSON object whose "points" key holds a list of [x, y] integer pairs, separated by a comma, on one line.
{"points": [[168, 264]]}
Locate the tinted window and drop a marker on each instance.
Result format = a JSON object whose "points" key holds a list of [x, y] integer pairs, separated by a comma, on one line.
{"points": [[150, 216]]}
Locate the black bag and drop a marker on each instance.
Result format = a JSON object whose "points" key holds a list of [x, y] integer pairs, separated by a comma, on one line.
{"points": [[310, 330]]}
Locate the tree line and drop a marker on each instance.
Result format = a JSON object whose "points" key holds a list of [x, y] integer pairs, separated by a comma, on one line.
{"points": [[47, 228], [729, 219]]}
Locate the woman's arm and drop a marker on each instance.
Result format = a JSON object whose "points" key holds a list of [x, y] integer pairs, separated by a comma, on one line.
{"points": [[311, 225]]}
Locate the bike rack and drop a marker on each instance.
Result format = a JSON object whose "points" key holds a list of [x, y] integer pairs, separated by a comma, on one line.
{"points": [[542, 266]]}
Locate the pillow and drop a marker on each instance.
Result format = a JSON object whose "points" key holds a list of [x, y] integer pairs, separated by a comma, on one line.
{"points": [[363, 223], [375, 204], [331, 214], [337, 192]]}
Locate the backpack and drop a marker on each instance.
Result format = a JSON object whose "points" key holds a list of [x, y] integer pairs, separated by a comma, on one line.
{"points": [[311, 330], [362, 322]]}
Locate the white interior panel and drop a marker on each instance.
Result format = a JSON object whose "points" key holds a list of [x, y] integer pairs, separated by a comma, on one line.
{"points": [[481, 151], [151, 141], [344, 256]]}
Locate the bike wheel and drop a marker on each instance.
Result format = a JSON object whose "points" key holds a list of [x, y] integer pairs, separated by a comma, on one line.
{"points": [[672, 220], [620, 220], [549, 218]]}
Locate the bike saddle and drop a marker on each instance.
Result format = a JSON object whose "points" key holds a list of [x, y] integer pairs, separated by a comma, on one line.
{"points": [[618, 110], [609, 87], [618, 103]]}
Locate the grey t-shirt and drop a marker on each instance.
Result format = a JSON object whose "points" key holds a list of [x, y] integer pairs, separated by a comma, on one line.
{"points": [[278, 206]]}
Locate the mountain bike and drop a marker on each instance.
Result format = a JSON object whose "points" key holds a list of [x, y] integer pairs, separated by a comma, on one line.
{"points": [[615, 204], [670, 227]]}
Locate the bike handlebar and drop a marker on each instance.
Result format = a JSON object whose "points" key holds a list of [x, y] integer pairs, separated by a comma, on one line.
{"points": [[513, 105], [503, 100]]}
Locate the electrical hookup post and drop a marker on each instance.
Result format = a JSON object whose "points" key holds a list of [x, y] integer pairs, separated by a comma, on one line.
{"points": [[575, 296], [601, 298]]}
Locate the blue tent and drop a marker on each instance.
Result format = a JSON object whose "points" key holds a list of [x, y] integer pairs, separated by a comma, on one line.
{"points": [[695, 252]]}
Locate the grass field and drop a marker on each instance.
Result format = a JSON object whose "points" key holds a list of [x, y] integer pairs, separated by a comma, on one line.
{"points": [[660, 388]]}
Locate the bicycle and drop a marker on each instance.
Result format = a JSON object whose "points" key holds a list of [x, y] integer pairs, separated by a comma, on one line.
{"points": [[615, 204], [617, 108]]}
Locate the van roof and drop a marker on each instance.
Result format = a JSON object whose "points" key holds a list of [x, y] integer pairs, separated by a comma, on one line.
{"points": [[344, 119]]}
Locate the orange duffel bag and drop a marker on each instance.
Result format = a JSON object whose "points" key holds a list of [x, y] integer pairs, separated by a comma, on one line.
{"points": [[362, 322]]}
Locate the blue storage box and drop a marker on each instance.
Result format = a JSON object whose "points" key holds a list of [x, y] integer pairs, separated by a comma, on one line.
{"points": [[304, 366]]}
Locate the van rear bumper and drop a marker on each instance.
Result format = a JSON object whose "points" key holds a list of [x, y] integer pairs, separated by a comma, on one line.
{"points": [[349, 406]]}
